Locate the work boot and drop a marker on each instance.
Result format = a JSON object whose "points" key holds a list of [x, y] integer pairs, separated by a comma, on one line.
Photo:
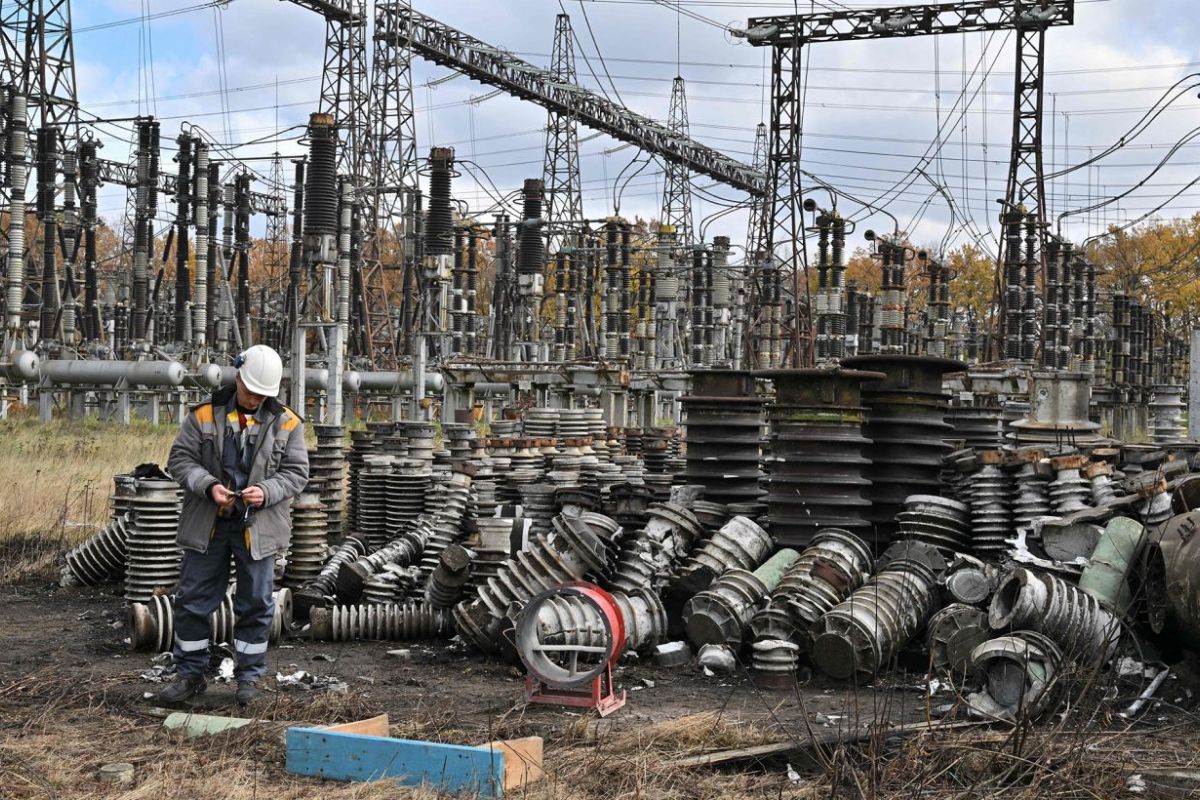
{"points": [[184, 688], [247, 692]]}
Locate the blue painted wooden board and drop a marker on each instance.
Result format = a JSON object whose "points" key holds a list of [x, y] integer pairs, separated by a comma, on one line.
{"points": [[354, 757]]}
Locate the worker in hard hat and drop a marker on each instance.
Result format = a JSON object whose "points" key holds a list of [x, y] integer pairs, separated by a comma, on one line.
{"points": [[240, 458]]}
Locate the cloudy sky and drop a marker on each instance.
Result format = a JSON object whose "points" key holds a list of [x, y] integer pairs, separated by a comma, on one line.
{"points": [[875, 111]]}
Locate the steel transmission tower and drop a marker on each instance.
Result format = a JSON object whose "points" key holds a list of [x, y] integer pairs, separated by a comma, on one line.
{"points": [[754, 230], [677, 186], [39, 60], [564, 200]]}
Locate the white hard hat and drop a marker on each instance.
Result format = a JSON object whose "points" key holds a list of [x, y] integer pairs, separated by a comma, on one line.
{"points": [[261, 369]]}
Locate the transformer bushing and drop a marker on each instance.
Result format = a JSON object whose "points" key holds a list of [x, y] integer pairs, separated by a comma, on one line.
{"points": [[649, 557], [817, 460], [1020, 673], [372, 497], [945, 524], [310, 536], [408, 489], [1069, 491], [1031, 487], [645, 619], [328, 467], [835, 563], [969, 581], [724, 420], [99, 558], [720, 613], [991, 505], [154, 558], [860, 635], [446, 523], [906, 424], [391, 622], [1058, 410], [321, 590], [448, 580], [738, 544], [952, 636], [152, 624], [402, 551], [1103, 488], [1166, 411], [1082, 628], [547, 562]]}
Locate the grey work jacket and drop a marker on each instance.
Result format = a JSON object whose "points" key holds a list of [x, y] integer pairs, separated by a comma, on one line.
{"points": [[279, 466]]}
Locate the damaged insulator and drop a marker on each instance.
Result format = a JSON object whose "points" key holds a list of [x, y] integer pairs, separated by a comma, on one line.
{"points": [[969, 581], [945, 524], [1103, 489], [439, 218], [392, 584], [1084, 630], [1031, 487], [739, 544], [645, 619], [1020, 673], [391, 622], [1069, 491], [980, 425], [817, 453], [408, 490], [402, 551], [100, 558], [446, 525], [724, 420], [1166, 413], [152, 624], [866, 630], [371, 506], [327, 468], [835, 563], [548, 561], [321, 589], [1154, 507], [310, 533], [649, 557], [991, 498], [449, 578], [720, 613], [953, 634], [906, 423], [154, 558]]}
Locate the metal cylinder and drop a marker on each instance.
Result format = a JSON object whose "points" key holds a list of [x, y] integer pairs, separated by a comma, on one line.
{"points": [[154, 558], [110, 373], [449, 578], [739, 544], [720, 613], [1020, 673], [906, 424], [953, 634], [439, 218], [99, 558], [724, 417]]}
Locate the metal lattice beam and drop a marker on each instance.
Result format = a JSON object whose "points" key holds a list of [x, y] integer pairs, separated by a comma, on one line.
{"points": [[560, 170], [494, 66], [677, 184]]}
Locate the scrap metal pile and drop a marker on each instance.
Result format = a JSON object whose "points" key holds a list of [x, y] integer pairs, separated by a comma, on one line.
{"points": [[831, 519]]}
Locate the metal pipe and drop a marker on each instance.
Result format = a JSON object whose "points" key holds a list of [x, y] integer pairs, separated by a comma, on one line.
{"points": [[109, 373]]}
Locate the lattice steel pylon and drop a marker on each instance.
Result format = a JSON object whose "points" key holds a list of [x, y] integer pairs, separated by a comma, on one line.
{"points": [[754, 230], [787, 34], [38, 51], [677, 184], [560, 170]]}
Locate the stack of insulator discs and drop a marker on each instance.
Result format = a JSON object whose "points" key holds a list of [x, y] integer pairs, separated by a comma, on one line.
{"points": [[541, 423], [572, 424], [420, 436], [945, 524], [329, 469], [538, 501], [634, 441], [724, 419], [817, 446], [980, 426], [1070, 491], [408, 488], [372, 522], [361, 443], [308, 548], [906, 423], [153, 556], [991, 513], [492, 547], [1031, 488]]}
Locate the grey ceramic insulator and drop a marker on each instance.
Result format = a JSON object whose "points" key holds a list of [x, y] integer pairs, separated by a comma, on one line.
{"points": [[393, 623]]}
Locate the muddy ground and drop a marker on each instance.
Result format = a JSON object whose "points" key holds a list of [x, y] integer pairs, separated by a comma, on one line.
{"points": [[72, 698]]}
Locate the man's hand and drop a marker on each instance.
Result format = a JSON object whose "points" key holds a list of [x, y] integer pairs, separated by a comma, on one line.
{"points": [[222, 496], [253, 496]]}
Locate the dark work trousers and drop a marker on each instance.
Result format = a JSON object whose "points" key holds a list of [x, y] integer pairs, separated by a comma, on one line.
{"points": [[202, 585]]}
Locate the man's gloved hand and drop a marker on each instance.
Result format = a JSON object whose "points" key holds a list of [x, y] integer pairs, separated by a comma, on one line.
{"points": [[222, 496], [253, 496]]}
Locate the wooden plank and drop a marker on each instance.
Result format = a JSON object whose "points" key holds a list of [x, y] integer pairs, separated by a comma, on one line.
{"points": [[830, 740], [522, 761], [375, 726], [353, 757]]}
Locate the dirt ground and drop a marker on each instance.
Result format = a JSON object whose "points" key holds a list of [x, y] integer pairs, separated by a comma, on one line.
{"points": [[72, 698]]}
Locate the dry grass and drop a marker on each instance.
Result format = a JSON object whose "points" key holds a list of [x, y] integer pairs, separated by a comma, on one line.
{"points": [[57, 477]]}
